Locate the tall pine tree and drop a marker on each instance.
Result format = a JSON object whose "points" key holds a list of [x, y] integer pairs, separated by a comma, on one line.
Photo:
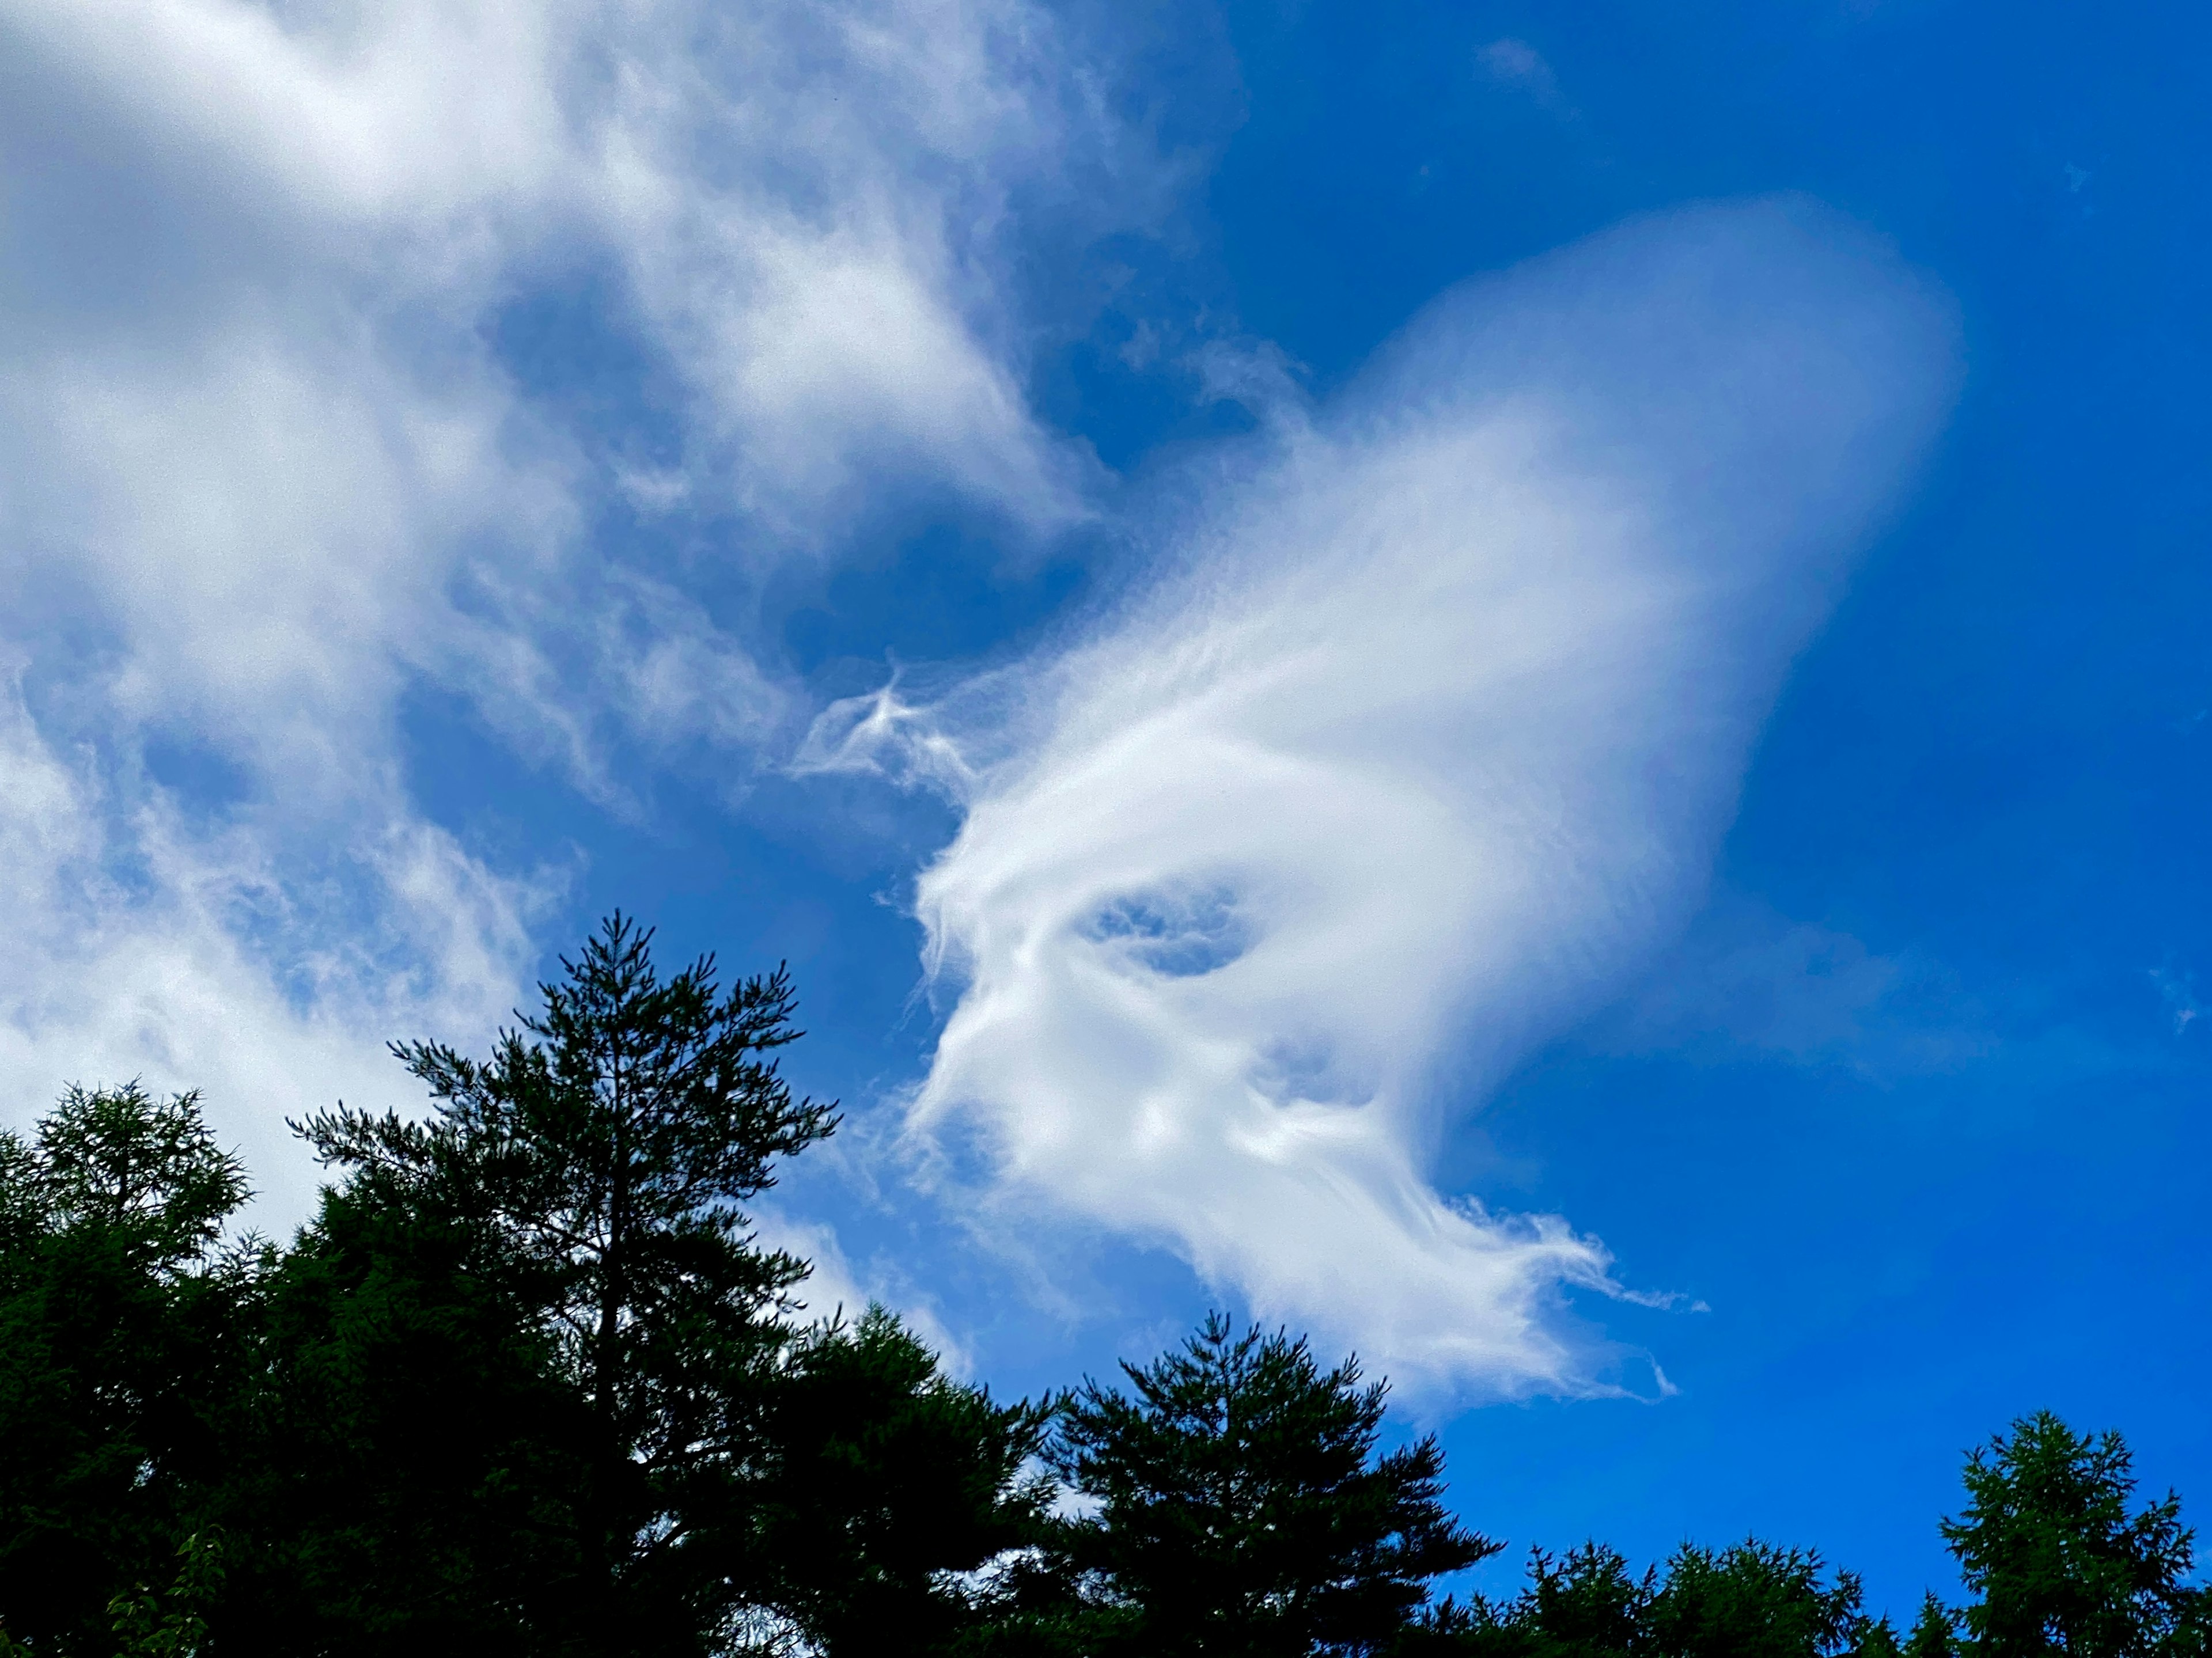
{"points": [[122, 1351], [605, 1153], [2061, 1563]]}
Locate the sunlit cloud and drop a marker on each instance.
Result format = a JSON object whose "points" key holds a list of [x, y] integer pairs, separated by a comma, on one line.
{"points": [[274, 465], [1423, 738]]}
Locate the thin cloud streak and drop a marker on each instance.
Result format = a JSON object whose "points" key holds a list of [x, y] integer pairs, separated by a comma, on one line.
{"points": [[143, 944], [1424, 742]]}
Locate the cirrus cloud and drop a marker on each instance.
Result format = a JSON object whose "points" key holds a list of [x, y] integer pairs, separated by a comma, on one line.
{"points": [[1424, 738], [275, 461]]}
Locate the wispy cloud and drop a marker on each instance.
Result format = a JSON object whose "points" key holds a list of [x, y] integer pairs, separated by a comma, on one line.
{"points": [[1517, 65], [2178, 993], [207, 954], [1424, 740], [274, 459]]}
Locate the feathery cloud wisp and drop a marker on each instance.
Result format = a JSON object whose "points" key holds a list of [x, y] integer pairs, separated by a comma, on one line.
{"points": [[1427, 737]]}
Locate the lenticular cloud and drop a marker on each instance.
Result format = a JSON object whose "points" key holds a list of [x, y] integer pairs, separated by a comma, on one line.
{"points": [[1424, 737]]}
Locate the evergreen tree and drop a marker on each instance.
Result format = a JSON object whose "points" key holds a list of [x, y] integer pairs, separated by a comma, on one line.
{"points": [[1752, 1600], [1590, 1602], [604, 1155], [884, 1484], [2061, 1565], [1755, 1600], [122, 1347], [146, 1174], [1587, 1604], [1934, 1632], [1584, 1603], [409, 1476], [528, 1385], [1241, 1509]]}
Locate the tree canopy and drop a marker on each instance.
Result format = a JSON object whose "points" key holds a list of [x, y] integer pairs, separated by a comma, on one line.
{"points": [[1242, 1507], [2059, 1563], [529, 1383]]}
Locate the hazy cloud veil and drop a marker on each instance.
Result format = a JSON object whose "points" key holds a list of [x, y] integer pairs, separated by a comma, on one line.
{"points": [[1427, 736]]}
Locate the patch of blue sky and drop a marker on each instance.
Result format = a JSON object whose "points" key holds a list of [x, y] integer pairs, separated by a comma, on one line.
{"points": [[1178, 934]]}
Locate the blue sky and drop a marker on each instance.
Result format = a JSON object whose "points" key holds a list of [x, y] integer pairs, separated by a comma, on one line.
{"points": [[1525, 686]]}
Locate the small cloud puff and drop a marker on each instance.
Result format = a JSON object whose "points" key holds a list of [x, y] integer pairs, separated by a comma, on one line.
{"points": [[1516, 64]]}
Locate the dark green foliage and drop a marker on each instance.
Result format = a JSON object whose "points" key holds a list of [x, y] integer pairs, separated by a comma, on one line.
{"points": [[172, 1624], [1935, 1632], [2061, 1564], [538, 1391], [1585, 1604], [1588, 1602], [22, 1199], [121, 1344], [1242, 1508], [409, 1478], [1755, 1600], [884, 1481], [1752, 1600], [146, 1175], [527, 1386], [598, 1164]]}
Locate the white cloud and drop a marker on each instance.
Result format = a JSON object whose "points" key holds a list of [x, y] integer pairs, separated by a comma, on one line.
{"points": [[264, 469], [836, 1288], [1427, 741], [2178, 993], [1423, 743], [143, 945]]}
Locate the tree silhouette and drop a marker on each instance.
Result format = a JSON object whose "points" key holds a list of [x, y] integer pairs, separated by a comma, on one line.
{"points": [[2059, 1563], [1242, 1508]]}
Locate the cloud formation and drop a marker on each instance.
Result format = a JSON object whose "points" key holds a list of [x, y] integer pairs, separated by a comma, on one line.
{"points": [[143, 944], [1424, 741], [1423, 737], [280, 450]]}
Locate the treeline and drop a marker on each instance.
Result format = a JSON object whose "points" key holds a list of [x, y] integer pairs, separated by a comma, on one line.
{"points": [[527, 1384]]}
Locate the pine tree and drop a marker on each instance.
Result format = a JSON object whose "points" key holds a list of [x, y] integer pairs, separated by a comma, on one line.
{"points": [[607, 1150], [2061, 1565], [146, 1173], [123, 1344], [1242, 1508], [1585, 1604], [1935, 1632], [884, 1483], [1751, 1601], [1755, 1599], [409, 1474]]}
